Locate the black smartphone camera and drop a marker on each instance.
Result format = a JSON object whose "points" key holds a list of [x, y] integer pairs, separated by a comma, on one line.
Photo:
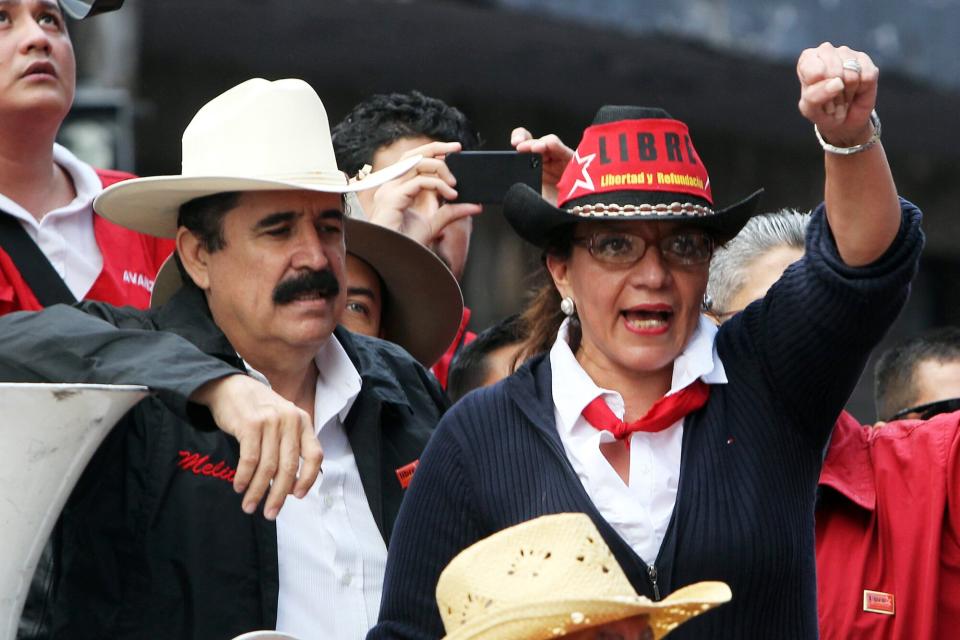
{"points": [[484, 177]]}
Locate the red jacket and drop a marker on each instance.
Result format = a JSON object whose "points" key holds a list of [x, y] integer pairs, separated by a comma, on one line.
{"points": [[442, 368], [130, 263], [888, 521]]}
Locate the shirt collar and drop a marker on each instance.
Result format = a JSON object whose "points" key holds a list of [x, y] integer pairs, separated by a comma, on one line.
{"points": [[338, 383], [573, 389], [699, 359], [86, 182], [848, 468]]}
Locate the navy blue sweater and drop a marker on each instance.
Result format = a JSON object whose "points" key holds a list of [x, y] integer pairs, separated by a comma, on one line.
{"points": [[749, 467]]}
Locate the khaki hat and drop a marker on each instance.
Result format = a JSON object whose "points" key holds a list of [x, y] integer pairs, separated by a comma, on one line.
{"points": [[422, 301], [423, 305], [551, 577], [257, 136]]}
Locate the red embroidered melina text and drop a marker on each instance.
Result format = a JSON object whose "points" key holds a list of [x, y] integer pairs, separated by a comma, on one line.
{"points": [[200, 466]]}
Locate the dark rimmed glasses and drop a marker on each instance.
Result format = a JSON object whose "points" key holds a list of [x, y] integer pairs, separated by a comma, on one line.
{"points": [[680, 248], [930, 409]]}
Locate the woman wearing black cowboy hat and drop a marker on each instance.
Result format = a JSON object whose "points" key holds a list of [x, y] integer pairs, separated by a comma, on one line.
{"points": [[695, 451]]}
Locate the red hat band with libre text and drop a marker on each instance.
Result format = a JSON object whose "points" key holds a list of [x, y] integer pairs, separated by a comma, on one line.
{"points": [[651, 155]]}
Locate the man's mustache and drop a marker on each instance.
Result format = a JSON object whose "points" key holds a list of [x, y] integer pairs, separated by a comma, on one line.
{"points": [[320, 283]]}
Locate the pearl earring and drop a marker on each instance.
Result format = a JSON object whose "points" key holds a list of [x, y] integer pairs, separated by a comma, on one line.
{"points": [[567, 306]]}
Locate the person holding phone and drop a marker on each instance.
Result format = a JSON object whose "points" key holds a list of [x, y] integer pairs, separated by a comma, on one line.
{"points": [[386, 128], [694, 450]]}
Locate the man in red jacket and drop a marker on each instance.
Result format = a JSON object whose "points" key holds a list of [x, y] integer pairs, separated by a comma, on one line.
{"points": [[45, 188]]}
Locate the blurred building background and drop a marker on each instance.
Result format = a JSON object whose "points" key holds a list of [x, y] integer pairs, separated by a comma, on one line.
{"points": [[727, 67]]}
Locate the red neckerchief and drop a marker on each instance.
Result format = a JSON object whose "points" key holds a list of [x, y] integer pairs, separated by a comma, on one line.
{"points": [[664, 412]]}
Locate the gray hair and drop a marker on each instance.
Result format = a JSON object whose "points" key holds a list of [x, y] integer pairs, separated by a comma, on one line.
{"points": [[729, 265]]}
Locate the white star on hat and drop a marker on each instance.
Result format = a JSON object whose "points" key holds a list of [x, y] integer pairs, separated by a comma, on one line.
{"points": [[586, 182]]}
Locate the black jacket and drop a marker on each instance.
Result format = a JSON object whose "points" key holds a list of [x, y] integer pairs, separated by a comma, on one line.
{"points": [[153, 542]]}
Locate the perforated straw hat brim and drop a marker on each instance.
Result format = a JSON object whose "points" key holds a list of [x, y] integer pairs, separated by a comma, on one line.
{"points": [[548, 577], [560, 617], [423, 305]]}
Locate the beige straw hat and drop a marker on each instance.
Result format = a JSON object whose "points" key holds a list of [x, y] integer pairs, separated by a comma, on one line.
{"points": [[551, 577]]}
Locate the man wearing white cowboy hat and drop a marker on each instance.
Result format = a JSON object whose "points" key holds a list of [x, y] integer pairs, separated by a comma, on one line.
{"points": [[154, 541]]}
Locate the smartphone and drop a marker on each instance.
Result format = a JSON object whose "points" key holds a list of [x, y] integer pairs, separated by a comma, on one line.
{"points": [[484, 177]]}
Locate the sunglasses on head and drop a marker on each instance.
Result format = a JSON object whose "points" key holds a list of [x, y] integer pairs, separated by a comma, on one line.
{"points": [[930, 409]]}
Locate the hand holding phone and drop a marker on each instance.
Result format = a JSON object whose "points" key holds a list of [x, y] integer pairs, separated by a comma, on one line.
{"points": [[556, 157], [413, 204]]}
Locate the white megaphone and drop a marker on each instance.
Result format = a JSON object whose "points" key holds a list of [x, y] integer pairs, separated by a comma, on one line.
{"points": [[48, 433]]}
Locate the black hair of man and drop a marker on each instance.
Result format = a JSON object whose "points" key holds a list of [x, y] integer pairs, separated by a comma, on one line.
{"points": [[469, 367], [894, 383], [204, 217], [384, 118]]}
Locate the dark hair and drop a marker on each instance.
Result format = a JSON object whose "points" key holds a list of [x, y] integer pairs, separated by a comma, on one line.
{"points": [[894, 383], [385, 118], [469, 368], [204, 218], [541, 319]]}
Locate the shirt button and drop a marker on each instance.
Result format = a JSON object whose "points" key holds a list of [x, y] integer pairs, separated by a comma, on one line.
{"points": [[328, 501], [346, 579]]}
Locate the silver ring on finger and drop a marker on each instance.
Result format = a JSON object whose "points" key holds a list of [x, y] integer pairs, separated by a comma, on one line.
{"points": [[852, 65]]}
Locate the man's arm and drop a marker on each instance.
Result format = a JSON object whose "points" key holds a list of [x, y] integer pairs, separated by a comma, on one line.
{"points": [[64, 344]]}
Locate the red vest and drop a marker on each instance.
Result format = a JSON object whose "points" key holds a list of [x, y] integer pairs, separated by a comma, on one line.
{"points": [[130, 263], [441, 369]]}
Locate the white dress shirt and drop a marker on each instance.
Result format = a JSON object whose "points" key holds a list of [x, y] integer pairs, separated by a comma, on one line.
{"points": [[65, 235], [331, 555], [639, 511]]}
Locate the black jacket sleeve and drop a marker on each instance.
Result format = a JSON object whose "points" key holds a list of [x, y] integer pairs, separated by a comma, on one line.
{"points": [[69, 344]]}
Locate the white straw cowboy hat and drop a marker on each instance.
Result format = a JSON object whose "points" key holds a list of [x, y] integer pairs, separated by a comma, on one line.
{"points": [[422, 300], [258, 136], [550, 577]]}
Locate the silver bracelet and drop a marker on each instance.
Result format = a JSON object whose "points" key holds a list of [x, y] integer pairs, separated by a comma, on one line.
{"points": [[846, 151]]}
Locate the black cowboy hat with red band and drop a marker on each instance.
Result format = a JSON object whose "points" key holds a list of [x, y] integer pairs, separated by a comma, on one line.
{"points": [[633, 163]]}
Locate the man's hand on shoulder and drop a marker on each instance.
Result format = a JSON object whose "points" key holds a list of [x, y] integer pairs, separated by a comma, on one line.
{"points": [[274, 435]]}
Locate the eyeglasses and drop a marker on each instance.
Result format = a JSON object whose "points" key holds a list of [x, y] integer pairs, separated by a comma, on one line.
{"points": [[930, 409], [683, 248]]}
